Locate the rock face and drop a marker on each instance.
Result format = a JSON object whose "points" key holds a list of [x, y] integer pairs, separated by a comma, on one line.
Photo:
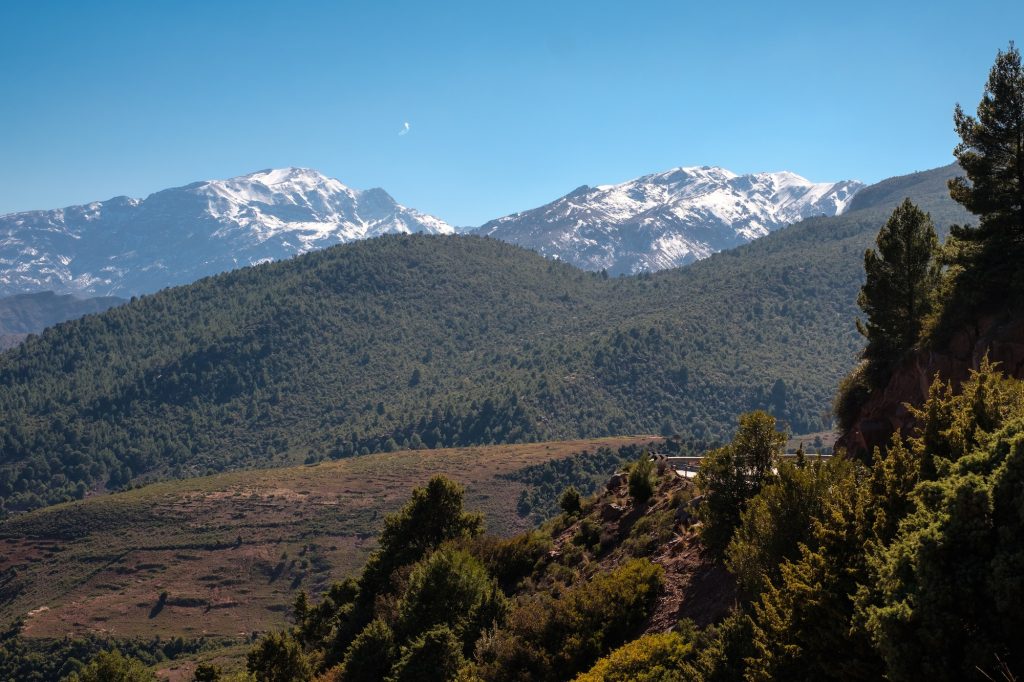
{"points": [[1001, 337]]}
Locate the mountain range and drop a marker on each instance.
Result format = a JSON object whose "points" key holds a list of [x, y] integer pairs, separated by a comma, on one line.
{"points": [[668, 219], [125, 246], [439, 340]]}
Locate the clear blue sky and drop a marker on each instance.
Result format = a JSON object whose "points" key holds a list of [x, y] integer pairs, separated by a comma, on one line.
{"points": [[509, 104]]}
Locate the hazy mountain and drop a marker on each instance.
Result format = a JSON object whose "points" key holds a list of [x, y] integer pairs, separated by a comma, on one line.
{"points": [[668, 219], [176, 236], [25, 314]]}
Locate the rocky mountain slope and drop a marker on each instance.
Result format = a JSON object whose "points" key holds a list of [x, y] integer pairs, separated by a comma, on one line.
{"points": [[128, 246], [668, 219]]}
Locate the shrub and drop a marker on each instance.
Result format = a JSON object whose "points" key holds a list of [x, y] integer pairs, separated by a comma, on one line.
{"points": [[641, 479], [570, 501], [112, 666], [661, 657]]}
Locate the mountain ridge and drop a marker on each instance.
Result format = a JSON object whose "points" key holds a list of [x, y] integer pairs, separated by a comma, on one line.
{"points": [[130, 246], [667, 219]]}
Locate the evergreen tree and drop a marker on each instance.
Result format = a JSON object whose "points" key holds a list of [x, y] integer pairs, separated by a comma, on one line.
{"points": [[641, 479], [901, 278], [991, 152], [986, 258], [731, 475]]}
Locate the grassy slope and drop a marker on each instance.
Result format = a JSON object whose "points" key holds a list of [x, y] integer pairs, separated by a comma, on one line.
{"points": [[99, 565], [390, 338]]}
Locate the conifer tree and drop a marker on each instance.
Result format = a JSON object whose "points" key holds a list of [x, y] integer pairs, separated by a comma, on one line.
{"points": [[991, 152], [901, 278]]}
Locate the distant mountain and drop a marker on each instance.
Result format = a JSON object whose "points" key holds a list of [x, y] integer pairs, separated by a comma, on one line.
{"points": [[428, 341], [130, 246], [668, 219], [26, 314]]}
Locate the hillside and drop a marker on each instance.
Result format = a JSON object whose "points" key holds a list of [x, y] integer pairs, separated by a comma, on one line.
{"points": [[435, 341]]}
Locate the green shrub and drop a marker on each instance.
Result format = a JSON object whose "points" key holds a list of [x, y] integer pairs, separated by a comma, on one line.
{"points": [[641, 479], [664, 657]]}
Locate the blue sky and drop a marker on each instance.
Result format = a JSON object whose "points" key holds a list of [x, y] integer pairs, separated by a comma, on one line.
{"points": [[509, 105]]}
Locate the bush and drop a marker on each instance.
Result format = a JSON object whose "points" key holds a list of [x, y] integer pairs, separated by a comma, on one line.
{"points": [[435, 656], [278, 657], [661, 657], [570, 501], [641, 479], [548, 637], [111, 666]]}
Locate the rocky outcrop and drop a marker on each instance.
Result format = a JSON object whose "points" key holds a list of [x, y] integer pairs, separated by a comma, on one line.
{"points": [[1000, 337]]}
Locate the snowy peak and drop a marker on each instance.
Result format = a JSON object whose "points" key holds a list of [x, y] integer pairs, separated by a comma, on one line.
{"points": [[131, 246], [668, 219]]}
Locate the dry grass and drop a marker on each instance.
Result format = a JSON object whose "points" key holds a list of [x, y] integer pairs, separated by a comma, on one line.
{"points": [[232, 550]]}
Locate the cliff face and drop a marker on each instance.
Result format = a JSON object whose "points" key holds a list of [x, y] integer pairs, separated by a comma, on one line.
{"points": [[885, 412]]}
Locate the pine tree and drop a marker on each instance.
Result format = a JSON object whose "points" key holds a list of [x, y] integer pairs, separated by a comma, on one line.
{"points": [[991, 152], [901, 278]]}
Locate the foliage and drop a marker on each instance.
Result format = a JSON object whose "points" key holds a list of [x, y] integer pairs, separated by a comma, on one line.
{"points": [[48, 660], [663, 657], [641, 479], [570, 501], [956, 563], [278, 657], [452, 589], [777, 521], [734, 473], [372, 654], [902, 277], [434, 656], [851, 395], [802, 622], [548, 638], [111, 666]]}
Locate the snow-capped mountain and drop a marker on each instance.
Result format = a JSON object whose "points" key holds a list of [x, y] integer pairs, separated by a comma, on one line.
{"points": [[668, 219], [132, 246]]}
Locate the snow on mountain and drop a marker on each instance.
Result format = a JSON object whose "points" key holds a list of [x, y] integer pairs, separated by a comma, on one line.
{"points": [[130, 246], [668, 219]]}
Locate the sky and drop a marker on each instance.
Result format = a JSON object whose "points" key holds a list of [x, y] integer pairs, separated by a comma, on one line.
{"points": [[470, 111]]}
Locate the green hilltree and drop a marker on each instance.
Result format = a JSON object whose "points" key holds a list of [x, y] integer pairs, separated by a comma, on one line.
{"points": [[902, 276]]}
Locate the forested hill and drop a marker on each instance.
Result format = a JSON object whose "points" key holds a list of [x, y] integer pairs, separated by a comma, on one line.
{"points": [[429, 340]]}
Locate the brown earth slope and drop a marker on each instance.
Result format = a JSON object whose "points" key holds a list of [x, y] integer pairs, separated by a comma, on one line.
{"points": [[229, 552]]}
